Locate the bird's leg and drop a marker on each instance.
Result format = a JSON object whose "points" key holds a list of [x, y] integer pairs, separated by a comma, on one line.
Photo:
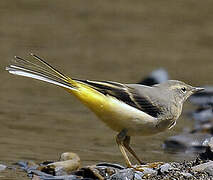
{"points": [[126, 144], [120, 139], [123, 141]]}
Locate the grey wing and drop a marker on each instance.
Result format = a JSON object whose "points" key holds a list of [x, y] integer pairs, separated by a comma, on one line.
{"points": [[127, 94], [146, 99]]}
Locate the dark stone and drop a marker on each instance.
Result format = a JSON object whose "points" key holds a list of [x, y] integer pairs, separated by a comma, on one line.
{"points": [[208, 154], [155, 77], [203, 98], [187, 142]]}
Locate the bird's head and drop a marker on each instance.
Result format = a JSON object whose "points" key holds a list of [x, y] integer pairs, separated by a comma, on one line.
{"points": [[180, 90]]}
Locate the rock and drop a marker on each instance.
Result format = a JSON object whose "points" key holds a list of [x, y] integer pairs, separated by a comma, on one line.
{"points": [[112, 165], [69, 162], [186, 174], [204, 97], [208, 154], [109, 171], [187, 142], [155, 77], [209, 170], [2, 167], [126, 174], [165, 168], [36, 178], [138, 175], [203, 120], [210, 144], [33, 172], [202, 167], [149, 171], [203, 114]]}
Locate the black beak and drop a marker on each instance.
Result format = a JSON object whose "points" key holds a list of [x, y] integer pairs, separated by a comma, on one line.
{"points": [[197, 89]]}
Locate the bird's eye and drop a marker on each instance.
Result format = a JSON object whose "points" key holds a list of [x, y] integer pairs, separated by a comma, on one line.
{"points": [[183, 89]]}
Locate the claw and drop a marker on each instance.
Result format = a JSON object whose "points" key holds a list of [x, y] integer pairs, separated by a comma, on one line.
{"points": [[149, 165], [138, 168], [154, 164]]}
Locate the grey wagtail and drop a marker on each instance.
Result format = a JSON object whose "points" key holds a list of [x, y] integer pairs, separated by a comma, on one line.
{"points": [[129, 109]]}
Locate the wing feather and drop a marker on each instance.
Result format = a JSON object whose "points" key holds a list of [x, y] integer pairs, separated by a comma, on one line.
{"points": [[146, 104], [127, 95]]}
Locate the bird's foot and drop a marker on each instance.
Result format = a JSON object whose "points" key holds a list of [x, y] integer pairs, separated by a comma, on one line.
{"points": [[138, 167], [149, 165], [154, 164]]}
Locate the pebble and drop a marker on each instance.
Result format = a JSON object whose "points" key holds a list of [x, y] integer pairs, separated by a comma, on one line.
{"points": [[209, 170], [204, 97], [2, 167], [210, 144], [202, 167], [187, 175], [198, 169], [165, 168], [149, 171], [138, 175], [203, 114], [155, 77], [187, 142], [126, 174], [112, 165]]}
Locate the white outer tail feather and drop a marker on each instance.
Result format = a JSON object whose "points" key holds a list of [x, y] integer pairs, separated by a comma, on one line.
{"points": [[39, 75]]}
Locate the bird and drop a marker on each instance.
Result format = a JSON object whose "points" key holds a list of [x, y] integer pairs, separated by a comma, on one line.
{"points": [[128, 109]]}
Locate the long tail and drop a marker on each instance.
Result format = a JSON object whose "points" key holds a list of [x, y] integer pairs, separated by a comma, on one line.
{"points": [[41, 70]]}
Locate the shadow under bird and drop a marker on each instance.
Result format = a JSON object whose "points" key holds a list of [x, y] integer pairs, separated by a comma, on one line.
{"points": [[129, 109]]}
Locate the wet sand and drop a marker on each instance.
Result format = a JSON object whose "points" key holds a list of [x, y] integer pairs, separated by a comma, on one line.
{"points": [[121, 41]]}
